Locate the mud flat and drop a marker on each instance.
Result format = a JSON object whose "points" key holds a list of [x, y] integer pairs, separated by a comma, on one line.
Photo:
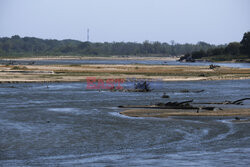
{"points": [[78, 73]]}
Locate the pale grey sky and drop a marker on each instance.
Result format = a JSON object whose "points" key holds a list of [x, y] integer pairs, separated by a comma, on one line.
{"points": [[213, 21]]}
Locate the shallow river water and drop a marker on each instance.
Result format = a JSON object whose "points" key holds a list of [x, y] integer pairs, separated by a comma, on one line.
{"points": [[66, 125], [100, 61]]}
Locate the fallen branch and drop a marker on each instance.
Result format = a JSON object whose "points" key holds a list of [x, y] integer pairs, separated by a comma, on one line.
{"points": [[168, 105], [240, 101]]}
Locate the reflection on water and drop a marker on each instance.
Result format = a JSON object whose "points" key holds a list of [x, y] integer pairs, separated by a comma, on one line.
{"points": [[66, 125]]}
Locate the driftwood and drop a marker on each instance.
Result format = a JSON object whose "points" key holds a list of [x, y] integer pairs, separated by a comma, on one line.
{"points": [[198, 91], [138, 87], [236, 102], [185, 105], [210, 108], [168, 105], [186, 58], [240, 101], [211, 66], [164, 95], [144, 86], [128, 90], [176, 105], [191, 91]]}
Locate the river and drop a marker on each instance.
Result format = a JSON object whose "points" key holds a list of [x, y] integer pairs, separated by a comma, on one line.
{"points": [[63, 124], [103, 61]]}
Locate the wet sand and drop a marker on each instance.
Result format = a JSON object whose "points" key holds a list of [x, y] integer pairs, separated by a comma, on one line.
{"points": [[163, 113]]}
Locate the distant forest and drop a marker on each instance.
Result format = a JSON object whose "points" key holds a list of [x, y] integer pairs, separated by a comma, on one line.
{"points": [[30, 46]]}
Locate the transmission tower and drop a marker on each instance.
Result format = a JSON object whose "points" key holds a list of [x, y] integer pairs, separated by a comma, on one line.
{"points": [[88, 35]]}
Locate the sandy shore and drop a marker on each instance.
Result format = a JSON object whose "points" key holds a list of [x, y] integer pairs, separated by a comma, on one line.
{"points": [[78, 73], [163, 113]]}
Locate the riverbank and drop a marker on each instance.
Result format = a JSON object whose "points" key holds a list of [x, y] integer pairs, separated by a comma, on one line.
{"points": [[174, 58], [79, 73]]}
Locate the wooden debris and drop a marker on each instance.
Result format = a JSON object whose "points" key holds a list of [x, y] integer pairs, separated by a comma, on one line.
{"points": [[164, 95], [191, 91], [236, 102], [211, 66]]}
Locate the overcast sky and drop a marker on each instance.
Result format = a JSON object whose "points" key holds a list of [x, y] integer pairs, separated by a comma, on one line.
{"points": [[213, 21]]}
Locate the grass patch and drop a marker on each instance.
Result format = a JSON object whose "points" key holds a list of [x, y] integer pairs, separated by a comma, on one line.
{"points": [[75, 65], [19, 68]]}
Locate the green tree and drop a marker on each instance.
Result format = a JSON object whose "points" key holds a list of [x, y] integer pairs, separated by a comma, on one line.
{"points": [[15, 37], [6, 46], [233, 48], [147, 47], [198, 54], [245, 42]]}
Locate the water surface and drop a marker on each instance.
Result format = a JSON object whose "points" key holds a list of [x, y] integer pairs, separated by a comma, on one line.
{"points": [[67, 125], [147, 62]]}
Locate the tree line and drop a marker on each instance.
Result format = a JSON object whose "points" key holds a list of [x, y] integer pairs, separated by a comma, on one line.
{"points": [[234, 50], [30, 46]]}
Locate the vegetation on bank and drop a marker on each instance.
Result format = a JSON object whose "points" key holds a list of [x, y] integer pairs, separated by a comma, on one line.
{"points": [[68, 73], [239, 51], [30, 46]]}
